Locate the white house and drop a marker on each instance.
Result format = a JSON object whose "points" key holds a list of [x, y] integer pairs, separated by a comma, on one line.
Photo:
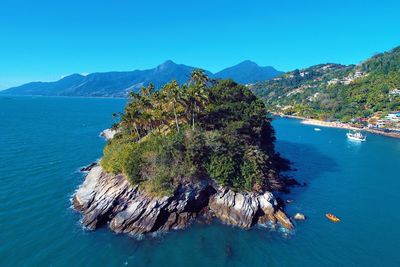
{"points": [[394, 92]]}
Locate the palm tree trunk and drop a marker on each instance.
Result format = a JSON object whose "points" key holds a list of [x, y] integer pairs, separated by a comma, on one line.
{"points": [[137, 131], [193, 118], [176, 119]]}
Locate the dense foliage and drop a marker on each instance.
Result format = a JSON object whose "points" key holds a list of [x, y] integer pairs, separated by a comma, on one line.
{"points": [[332, 91], [203, 130]]}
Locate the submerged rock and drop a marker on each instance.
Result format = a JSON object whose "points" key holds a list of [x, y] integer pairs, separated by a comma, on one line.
{"points": [[88, 167], [109, 199]]}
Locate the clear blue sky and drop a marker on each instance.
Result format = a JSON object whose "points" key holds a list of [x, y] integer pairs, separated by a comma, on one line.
{"points": [[46, 39]]}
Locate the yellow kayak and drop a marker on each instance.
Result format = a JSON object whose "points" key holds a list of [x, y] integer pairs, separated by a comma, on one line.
{"points": [[332, 217]]}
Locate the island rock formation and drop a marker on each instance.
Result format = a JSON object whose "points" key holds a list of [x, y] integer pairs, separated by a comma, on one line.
{"points": [[108, 199]]}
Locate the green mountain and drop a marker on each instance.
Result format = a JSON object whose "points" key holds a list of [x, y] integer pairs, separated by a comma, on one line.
{"points": [[333, 91], [119, 84]]}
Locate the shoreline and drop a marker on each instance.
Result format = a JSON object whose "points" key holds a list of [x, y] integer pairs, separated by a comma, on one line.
{"points": [[338, 125], [110, 200]]}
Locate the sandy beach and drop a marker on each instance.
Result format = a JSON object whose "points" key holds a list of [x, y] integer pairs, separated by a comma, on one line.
{"points": [[329, 124], [340, 125]]}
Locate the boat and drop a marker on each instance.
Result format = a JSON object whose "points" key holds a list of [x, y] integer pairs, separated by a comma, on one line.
{"points": [[356, 136], [332, 217], [317, 129]]}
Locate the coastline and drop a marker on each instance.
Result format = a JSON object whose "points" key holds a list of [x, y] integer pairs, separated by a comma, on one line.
{"points": [[339, 125], [109, 199]]}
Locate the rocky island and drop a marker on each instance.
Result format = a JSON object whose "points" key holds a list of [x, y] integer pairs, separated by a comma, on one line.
{"points": [[202, 150]]}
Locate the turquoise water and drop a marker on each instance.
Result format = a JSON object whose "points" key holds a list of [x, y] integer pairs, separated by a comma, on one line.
{"points": [[44, 141]]}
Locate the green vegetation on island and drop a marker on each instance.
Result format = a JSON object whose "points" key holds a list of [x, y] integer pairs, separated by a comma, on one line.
{"points": [[204, 130], [355, 93]]}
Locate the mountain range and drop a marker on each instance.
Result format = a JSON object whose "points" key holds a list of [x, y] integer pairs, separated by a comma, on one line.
{"points": [[119, 84]]}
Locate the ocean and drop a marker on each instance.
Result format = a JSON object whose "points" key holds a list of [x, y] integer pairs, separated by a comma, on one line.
{"points": [[44, 141]]}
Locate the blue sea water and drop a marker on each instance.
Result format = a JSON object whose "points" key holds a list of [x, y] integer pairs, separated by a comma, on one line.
{"points": [[44, 141]]}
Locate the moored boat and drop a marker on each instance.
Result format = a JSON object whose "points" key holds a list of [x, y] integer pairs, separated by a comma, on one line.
{"points": [[356, 136]]}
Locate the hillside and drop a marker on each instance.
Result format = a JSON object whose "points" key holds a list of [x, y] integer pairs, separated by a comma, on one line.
{"points": [[119, 84], [332, 91]]}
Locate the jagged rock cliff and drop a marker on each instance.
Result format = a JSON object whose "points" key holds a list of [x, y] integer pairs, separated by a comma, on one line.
{"points": [[108, 134], [109, 199]]}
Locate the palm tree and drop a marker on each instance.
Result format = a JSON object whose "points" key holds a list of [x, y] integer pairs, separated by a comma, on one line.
{"points": [[173, 97], [158, 114], [148, 90], [133, 118], [199, 78], [133, 96], [196, 93]]}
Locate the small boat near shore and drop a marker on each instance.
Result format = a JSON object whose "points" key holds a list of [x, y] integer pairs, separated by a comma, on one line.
{"points": [[332, 217], [317, 129], [356, 136]]}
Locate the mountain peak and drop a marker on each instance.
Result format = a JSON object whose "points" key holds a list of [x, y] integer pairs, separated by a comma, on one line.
{"points": [[167, 64], [248, 72], [248, 63], [72, 76]]}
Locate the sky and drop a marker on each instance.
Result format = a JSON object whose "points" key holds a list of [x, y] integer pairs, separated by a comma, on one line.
{"points": [[44, 40]]}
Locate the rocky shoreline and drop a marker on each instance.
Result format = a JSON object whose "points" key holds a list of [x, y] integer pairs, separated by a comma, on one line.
{"points": [[107, 199], [108, 134]]}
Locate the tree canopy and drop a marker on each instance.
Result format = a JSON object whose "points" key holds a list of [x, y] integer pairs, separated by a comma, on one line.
{"points": [[203, 130]]}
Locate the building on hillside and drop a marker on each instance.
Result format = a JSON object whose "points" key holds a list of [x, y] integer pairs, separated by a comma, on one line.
{"points": [[358, 74], [394, 116], [381, 123], [333, 81], [303, 73], [394, 92]]}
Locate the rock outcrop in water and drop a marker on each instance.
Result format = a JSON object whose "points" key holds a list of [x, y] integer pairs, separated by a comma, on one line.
{"points": [[108, 134], [109, 199]]}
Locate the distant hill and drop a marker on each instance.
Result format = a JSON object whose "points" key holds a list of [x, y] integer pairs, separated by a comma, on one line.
{"points": [[248, 72], [118, 84], [333, 91]]}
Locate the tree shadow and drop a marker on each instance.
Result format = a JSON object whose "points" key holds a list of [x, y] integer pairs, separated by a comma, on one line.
{"points": [[306, 160]]}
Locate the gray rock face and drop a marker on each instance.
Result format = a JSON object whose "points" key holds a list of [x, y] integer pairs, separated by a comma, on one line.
{"points": [[109, 199], [235, 208], [108, 134], [244, 209]]}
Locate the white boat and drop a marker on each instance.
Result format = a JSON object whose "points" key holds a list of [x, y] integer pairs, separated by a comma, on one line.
{"points": [[356, 136], [317, 129]]}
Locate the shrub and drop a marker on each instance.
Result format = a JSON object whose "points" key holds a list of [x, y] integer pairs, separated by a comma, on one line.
{"points": [[221, 168], [160, 184], [116, 155], [253, 168], [133, 166]]}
